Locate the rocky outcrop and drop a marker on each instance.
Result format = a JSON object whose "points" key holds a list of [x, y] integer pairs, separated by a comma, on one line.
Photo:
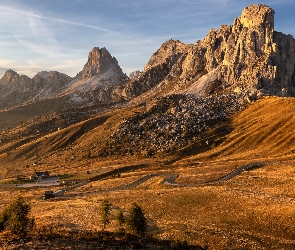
{"points": [[157, 69], [245, 51], [98, 82], [195, 87], [99, 62], [247, 56], [250, 54], [134, 74]]}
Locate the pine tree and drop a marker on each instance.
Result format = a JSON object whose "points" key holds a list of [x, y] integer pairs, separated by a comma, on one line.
{"points": [[136, 220], [120, 219], [105, 210], [16, 217]]}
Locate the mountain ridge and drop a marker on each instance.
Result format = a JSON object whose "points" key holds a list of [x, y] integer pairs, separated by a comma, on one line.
{"points": [[248, 56], [184, 91]]}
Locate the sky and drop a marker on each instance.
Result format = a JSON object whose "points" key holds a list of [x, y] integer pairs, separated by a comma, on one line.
{"points": [[46, 35]]}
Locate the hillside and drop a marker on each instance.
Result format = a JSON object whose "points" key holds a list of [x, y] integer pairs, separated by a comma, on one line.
{"points": [[195, 114], [262, 132], [185, 94], [259, 201]]}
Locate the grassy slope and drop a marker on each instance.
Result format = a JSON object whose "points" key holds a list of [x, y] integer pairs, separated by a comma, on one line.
{"points": [[14, 116], [252, 211], [264, 131]]}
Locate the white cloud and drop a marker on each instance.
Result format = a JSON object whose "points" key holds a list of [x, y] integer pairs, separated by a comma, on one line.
{"points": [[37, 37], [29, 31], [59, 20]]}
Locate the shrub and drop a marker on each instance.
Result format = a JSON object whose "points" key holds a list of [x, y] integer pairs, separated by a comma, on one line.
{"points": [[15, 217], [120, 219], [136, 220], [105, 210]]}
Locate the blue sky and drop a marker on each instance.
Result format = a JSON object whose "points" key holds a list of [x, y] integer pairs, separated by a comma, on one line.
{"points": [[37, 35]]}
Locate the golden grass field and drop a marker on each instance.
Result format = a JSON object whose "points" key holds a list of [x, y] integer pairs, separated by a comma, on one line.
{"points": [[255, 210]]}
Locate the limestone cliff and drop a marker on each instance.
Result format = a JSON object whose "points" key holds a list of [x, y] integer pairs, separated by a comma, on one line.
{"points": [[189, 89], [247, 56], [100, 61]]}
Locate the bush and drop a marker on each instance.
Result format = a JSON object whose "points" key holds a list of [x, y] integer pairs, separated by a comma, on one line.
{"points": [[105, 210], [121, 220], [15, 217], [136, 220]]}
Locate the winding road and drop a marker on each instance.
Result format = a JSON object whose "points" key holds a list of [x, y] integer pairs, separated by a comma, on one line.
{"points": [[171, 178]]}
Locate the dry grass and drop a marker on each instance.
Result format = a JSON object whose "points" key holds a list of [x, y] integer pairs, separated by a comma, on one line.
{"points": [[14, 116], [252, 211], [263, 131]]}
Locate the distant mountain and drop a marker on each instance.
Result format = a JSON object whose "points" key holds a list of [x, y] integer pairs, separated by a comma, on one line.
{"points": [[134, 74], [94, 83], [18, 89], [97, 81], [99, 62], [248, 57]]}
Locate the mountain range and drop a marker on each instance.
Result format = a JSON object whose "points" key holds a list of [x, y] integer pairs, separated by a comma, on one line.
{"points": [[184, 97]]}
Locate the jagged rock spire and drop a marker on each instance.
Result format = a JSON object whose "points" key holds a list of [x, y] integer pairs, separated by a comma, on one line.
{"points": [[100, 61]]}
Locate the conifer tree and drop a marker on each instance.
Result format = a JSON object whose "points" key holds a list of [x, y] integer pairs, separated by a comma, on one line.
{"points": [[136, 220], [15, 217], [105, 210]]}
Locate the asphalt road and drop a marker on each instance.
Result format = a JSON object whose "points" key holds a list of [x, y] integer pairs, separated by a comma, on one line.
{"points": [[171, 180]]}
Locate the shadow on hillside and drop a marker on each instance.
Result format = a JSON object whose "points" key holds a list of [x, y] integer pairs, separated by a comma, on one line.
{"points": [[92, 240]]}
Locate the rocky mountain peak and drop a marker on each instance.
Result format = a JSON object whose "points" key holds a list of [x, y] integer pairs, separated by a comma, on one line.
{"points": [[18, 89], [171, 48], [256, 15], [134, 74], [100, 61], [8, 76], [249, 53], [248, 56], [13, 80], [10, 72]]}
